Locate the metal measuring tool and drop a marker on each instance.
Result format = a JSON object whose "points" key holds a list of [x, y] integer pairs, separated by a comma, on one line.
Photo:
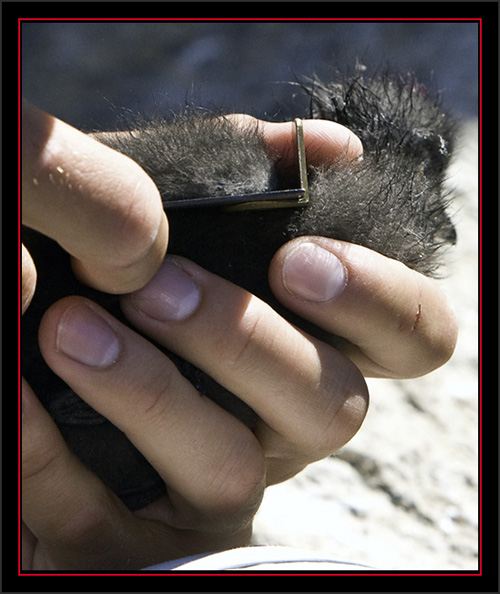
{"points": [[289, 198]]}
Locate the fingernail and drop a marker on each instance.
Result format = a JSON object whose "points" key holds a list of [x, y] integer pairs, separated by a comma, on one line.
{"points": [[313, 273], [84, 336], [170, 295]]}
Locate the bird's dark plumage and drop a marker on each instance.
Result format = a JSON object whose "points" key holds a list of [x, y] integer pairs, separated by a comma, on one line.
{"points": [[393, 202]]}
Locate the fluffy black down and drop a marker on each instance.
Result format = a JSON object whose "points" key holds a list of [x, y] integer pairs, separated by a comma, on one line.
{"points": [[393, 202]]}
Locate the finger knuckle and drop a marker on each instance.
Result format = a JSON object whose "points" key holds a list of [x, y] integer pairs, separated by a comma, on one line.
{"points": [[38, 463], [136, 225], [85, 527], [154, 394], [345, 399], [442, 342], [431, 335], [238, 483], [240, 352]]}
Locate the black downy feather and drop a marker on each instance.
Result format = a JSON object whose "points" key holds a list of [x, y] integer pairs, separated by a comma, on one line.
{"points": [[393, 201]]}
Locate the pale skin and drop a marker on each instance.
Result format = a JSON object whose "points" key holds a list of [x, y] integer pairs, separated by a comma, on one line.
{"points": [[106, 212]]}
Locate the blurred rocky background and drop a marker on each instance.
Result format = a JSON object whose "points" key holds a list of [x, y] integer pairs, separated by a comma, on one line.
{"points": [[403, 493]]}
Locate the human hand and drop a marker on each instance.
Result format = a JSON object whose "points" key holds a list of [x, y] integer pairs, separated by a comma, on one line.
{"points": [[286, 439], [101, 207], [214, 467], [393, 322]]}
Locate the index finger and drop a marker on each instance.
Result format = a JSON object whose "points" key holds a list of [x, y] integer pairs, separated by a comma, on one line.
{"points": [[99, 205], [325, 142]]}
